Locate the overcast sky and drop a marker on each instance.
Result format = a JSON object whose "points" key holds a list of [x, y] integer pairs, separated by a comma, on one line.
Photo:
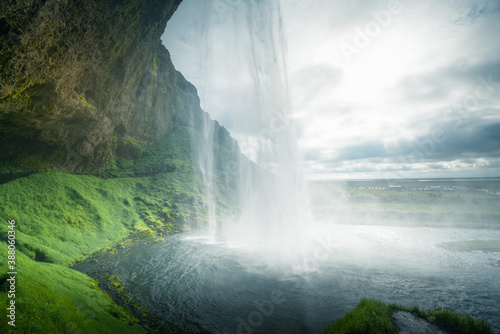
{"points": [[378, 89]]}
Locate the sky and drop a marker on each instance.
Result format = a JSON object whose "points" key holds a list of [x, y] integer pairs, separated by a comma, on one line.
{"points": [[375, 89]]}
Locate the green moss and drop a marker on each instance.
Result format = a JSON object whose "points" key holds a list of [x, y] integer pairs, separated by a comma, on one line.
{"points": [[450, 321], [70, 216], [84, 101], [373, 316], [369, 316], [458, 323], [117, 284]]}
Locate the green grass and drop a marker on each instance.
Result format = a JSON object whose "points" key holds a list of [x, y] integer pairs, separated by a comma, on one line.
{"points": [[450, 321], [371, 316], [473, 245], [51, 298], [62, 218]]}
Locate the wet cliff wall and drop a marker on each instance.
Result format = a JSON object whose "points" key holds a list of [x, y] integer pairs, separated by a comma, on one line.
{"points": [[83, 82]]}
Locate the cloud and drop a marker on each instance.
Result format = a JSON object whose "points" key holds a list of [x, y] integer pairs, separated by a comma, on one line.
{"points": [[314, 80], [406, 104], [473, 138], [470, 11], [473, 143], [445, 84]]}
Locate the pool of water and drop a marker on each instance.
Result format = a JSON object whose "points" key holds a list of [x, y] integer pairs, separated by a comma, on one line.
{"points": [[212, 287]]}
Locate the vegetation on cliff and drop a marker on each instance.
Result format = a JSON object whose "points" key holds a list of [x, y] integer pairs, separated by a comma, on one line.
{"points": [[63, 217]]}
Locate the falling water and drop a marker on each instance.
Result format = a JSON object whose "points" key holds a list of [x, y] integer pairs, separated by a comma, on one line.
{"points": [[205, 159], [243, 66]]}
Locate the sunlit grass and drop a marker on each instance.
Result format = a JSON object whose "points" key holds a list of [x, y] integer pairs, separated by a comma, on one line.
{"points": [[51, 298], [62, 218]]}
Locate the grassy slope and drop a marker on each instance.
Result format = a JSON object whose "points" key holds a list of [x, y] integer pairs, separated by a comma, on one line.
{"points": [[51, 298], [373, 316], [62, 218]]}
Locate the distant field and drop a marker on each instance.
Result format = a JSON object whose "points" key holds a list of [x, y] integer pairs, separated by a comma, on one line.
{"points": [[473, 245], [470, 203]]}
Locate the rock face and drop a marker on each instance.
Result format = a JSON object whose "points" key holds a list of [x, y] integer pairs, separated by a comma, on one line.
{"points": [[86, 81]]}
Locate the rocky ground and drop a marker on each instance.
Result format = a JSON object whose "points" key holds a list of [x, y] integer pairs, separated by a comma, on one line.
{"points": [[407, 323]]}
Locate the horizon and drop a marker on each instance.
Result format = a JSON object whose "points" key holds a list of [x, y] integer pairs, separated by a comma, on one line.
{"points": [[458, 179]]}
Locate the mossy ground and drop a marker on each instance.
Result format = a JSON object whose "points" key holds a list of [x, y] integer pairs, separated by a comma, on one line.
{"points": [[62, 218], [373, 316], [369, 316]]}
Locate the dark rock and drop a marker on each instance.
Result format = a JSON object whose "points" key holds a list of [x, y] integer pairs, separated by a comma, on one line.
{"points": [[128, 150], [83, 80], [407, 323]]}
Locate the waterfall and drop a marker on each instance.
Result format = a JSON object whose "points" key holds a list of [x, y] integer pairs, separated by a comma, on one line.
{"points": [[204, 151], [242, 62]]}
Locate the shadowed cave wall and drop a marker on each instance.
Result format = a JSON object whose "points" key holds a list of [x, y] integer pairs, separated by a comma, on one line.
{"points": [[83, 82]]}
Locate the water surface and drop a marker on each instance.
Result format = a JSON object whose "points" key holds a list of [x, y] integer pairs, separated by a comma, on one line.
{"points": [[209, 287]]}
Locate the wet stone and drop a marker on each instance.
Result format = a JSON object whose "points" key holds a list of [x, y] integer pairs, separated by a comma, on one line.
{"points": [[407, 323]]}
